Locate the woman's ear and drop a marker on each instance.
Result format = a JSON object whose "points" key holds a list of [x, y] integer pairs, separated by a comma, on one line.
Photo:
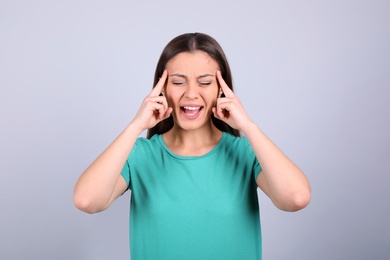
{"points": [[163, 90], [221, 94]]}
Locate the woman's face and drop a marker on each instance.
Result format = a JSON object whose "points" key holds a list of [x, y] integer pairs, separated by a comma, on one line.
{"points": [[192, 89]]}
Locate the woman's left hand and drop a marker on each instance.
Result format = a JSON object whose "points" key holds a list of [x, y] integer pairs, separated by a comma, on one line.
{"points": [[229, 108]]}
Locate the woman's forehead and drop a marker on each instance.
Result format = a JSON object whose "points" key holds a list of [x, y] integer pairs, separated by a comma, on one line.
{"points": [[197, 62]]}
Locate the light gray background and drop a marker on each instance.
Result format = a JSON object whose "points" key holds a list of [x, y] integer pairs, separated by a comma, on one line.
{"points": [[314, 75]]}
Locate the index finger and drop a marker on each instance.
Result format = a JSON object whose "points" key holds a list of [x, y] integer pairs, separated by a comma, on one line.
{"points": [[225, 88], [160, 84]]}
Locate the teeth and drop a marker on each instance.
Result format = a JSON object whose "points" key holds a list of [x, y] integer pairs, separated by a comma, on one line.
{"points": [[191, 108]]}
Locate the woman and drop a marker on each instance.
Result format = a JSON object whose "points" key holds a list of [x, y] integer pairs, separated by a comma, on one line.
{"points": [[193, 179]]}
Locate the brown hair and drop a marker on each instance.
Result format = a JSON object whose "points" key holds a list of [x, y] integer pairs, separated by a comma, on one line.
{"points": [[191, 42]]}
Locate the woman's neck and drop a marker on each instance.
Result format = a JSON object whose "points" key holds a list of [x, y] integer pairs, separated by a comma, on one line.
{"points": [[192, 142]]}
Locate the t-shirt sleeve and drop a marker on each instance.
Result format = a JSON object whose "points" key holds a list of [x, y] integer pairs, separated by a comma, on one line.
{"points": [[126, 172], [256, 168], [126, 167]]}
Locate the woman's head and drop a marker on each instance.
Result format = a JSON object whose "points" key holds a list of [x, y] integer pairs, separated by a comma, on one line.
{"points": [[193, 42]]}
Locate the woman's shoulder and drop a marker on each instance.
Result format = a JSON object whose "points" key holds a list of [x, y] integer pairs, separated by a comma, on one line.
{"points": [[236, 143], [145, 142], [145, 147], [235, 140]]}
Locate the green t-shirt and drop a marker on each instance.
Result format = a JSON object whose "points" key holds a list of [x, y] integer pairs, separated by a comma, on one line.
{"points": [[193, 207]]}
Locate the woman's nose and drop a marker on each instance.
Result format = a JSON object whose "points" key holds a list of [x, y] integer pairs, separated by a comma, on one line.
{"points": [[191, 91]]}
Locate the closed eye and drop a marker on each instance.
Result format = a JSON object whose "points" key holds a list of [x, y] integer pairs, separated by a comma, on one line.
{"points": [[205, 83], [178, 83]]}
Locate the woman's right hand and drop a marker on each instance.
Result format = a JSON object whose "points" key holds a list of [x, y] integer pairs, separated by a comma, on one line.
{"points": [[101, 183], [154, 108]]}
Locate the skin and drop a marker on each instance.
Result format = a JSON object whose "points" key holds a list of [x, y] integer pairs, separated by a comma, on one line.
{"points": [[283, 182], [192, 79]]}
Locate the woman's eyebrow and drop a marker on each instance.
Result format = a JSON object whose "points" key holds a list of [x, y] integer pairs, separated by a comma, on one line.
{"points": [[178, 75], [205, 76], [184, 76]]}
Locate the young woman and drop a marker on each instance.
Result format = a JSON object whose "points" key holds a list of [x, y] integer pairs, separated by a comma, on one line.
{"points": [[193, 179]]}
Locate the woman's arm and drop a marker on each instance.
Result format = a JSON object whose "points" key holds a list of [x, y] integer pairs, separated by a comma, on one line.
{"points": [[283, 182], [101, 183]]}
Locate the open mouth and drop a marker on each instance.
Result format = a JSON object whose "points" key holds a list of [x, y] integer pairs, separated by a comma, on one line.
{"points": [[191, 111]]}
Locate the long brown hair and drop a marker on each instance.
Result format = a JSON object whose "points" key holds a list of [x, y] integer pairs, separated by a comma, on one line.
{"points": [[191, 42]]}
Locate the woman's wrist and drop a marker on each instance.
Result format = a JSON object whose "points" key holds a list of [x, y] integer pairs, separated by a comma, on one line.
{"points": [[249, 128], [134, 127]]}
